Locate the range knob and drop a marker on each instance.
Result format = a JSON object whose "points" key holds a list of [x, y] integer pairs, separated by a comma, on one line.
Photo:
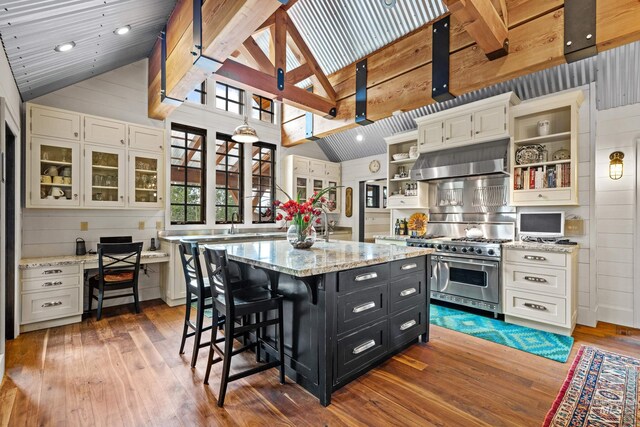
{"points": [[446, 247], [491, 252], [453, 249], [423, 245], [478, 251], [464, 250], [439, 247]]}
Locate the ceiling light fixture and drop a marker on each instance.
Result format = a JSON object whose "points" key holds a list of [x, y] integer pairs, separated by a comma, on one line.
{"points": [[388, 3], [122, 30], [359, 137], [65, 47], [245, 133]]}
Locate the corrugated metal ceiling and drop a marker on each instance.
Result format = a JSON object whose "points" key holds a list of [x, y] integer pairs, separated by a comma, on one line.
{"points": [[30, 29]]}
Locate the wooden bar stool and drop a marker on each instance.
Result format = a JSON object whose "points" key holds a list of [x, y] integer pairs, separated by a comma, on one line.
{"points": [[239, 299]]}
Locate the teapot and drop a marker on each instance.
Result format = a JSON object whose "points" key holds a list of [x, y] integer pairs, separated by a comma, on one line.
{"points": [[473, 232]]}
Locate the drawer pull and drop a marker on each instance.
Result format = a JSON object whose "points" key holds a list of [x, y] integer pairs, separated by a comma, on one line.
{"points": [[364, 307], [367, 276], [535, 306], [535, 279], [409, 266], [363, 347], [47, 284], [535, 258], [407, 292], [51, 304], [407, 325], [57, 271]]}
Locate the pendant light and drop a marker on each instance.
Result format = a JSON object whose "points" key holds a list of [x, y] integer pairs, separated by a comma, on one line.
{"points": [[615, 164], [245, 133]]}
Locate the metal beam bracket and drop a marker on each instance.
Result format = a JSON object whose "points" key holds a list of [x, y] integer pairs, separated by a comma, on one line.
{"points": [[164, 99], [308, 122], [361, 93], [201, 61], [579, 29], [280, 78], [440, 61]]}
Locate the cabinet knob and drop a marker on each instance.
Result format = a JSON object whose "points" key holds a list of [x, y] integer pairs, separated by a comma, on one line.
{"points": [[160, 146], [159, 198], [540, 196], [447, 138], [75, 196], [75, 134], [122, 141], [122, 197], [477, 132]]}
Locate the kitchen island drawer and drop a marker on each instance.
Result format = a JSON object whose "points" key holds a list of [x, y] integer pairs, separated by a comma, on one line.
{"points": [[45, 284], [407, 326], [542, 308], [407, 266], [362, 277], [47, 305], [48, 272], [357, 350], [536, 279], [532, 257], [358, 308], [407, 291]]}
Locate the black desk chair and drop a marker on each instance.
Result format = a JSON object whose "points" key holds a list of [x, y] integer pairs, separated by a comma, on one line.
{"points": [[239, 299], [118, 268], [116, 239]]}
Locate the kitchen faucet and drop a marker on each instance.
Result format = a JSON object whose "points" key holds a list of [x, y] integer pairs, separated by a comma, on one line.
{"points": [[237, 218], [326, 226]]}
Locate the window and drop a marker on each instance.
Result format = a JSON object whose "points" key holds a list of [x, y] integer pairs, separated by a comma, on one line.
{"points": [[262, 108], [229, 98], [229, 174], [373, 196], [198, 95], [187, 192], [263, 182]]}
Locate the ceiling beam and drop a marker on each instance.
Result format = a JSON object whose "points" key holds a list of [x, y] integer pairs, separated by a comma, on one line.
{"points": [[482, 21], [251, 48], [298, 74], [280, 44]]}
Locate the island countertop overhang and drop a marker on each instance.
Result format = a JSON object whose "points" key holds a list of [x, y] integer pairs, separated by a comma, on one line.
{"points": [[322, 258]]}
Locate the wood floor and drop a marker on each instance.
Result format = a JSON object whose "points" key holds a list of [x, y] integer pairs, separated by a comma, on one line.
{"points": [[125, 370]]}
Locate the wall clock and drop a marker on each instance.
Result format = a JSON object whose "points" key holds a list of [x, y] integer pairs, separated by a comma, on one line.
{"points": [[374, 166]]}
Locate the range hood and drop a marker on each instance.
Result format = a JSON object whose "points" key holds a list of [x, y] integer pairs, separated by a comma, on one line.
{"points": [[480, 159]]}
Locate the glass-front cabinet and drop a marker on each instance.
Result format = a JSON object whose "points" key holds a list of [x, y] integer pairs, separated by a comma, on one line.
{"points": [[301, 187], [332, 196], [145, 180], [56, 164], [104, 183]]}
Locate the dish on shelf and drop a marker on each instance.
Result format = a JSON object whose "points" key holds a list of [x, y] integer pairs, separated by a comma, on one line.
{"points": [[561, 154], [529, 154], [400, 156], [418, 223]]}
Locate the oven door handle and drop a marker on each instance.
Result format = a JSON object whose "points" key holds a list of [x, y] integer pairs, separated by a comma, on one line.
{"points": [[469, 262]]}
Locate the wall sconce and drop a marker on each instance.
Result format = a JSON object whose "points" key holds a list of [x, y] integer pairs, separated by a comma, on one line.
{"points": [[615, 164]]}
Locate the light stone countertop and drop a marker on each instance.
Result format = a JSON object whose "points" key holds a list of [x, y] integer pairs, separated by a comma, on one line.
{"points": [[388, 237], [320, 258], [52, 261], [545, 247]]}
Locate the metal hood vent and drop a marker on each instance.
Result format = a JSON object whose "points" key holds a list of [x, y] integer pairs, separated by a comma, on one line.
{"points": [[481, 159]]}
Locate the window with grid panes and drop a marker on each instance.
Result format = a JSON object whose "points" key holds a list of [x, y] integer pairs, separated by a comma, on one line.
{"points": [[188, 189], [198, 95], [229, 98], [262, 108], [263, 182], [229, 179]]}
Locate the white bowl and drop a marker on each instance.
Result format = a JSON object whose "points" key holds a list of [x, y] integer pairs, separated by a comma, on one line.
{"points": [[400, 156]]}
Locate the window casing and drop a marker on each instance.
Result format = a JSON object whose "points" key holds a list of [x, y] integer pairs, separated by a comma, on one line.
{"points": [[229, 194], [229, 98], [188, 177], [262, 109], [263, 182], [198, 95]]}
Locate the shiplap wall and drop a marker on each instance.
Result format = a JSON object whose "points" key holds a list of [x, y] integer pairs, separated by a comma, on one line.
{"points": [[618, 130]]}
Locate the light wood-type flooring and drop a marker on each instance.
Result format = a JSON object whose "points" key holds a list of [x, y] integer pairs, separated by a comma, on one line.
{"points": [[126, 370]]}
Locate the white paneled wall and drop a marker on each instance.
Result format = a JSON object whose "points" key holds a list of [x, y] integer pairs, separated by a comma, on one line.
{"points": [[618, 130]]}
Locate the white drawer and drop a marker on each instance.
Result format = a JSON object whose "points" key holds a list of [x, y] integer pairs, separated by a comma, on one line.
{"points": [[547, 259], [48, 272], [50, 305], [537, 279], [542, 195], [50, 283], [542, 308]]}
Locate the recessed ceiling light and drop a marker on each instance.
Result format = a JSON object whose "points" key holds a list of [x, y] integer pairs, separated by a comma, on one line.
{"points": [[65, 47], [122, 30], [359, 137], [388, 3]]}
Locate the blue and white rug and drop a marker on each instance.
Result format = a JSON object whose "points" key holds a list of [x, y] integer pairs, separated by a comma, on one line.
{"points": [[546, 344]]}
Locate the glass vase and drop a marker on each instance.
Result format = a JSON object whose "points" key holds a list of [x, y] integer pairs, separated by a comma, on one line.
{"points": [[301, 237]]}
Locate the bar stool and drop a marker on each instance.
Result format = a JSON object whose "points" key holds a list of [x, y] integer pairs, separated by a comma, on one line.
{"points": [[236, 300]]}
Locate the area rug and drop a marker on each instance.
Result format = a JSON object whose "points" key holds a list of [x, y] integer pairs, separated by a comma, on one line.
{"points": [[546, 344], [601, 389]]}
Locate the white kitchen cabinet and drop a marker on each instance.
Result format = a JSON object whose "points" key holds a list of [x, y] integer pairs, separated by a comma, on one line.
{"points": [[302, 176], [103, 131], [146, 181], [399, 179], [490, 122], [458, 129], [431, 135], [54, 175], [300, 166], [54, 123], [105, 179], [316, 168], [332, 171], [145, 138]]}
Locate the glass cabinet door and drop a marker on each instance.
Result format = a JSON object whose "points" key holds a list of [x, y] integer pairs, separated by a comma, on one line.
{"points": [[55, 179], [145, 180], [332, 196], [105, 180], [301, 187], [318, 185]]}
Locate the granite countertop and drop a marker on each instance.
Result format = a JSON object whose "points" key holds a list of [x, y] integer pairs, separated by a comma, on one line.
{"points": [[545, 247], [52, 261], [387, 237], [320, 258], [263, 235]]}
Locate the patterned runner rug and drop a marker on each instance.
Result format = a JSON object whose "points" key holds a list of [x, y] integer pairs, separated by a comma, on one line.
{"points": [[601, 389], [551, 346]]}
